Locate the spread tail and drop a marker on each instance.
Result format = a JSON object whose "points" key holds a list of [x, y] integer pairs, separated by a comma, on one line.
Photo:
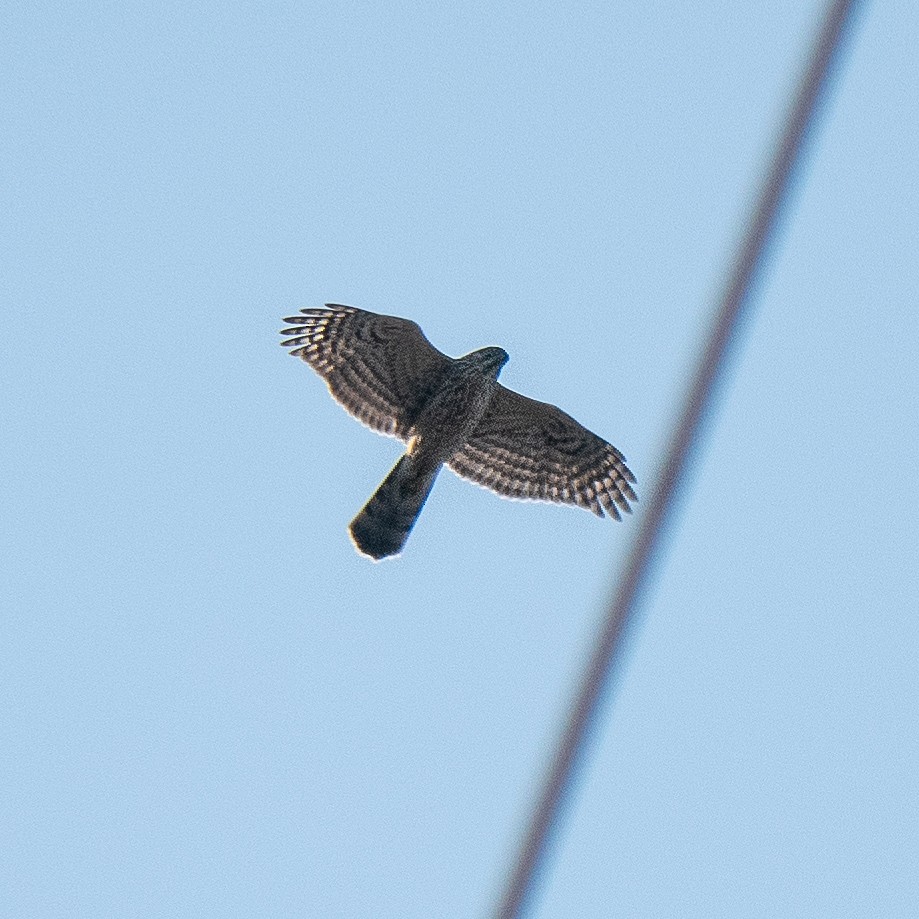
{"points": [[385, 521]]}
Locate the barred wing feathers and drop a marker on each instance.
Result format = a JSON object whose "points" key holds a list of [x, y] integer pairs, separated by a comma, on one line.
{"points": [[523, 448], [380, 368]]}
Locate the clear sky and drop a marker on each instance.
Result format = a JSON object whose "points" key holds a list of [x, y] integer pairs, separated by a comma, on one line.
{"points": [[212, 705]]}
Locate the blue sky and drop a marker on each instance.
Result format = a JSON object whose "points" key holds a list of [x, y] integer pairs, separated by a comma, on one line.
{"points": [[214, 706]]}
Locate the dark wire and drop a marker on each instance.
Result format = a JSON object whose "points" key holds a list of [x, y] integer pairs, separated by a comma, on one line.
{"points": [[758, 237]]}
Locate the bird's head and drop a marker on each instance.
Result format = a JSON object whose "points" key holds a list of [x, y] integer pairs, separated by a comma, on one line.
{"points": [[489, 360]]}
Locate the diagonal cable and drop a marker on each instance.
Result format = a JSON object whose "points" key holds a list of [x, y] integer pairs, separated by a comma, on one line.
{"points": [[733, 306]]}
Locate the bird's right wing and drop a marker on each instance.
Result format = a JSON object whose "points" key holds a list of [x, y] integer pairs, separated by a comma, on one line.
{"points": [[522, 448], [380, 368]]}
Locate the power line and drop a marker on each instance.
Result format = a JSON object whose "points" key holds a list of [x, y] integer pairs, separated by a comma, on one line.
{"points": [[735, 301]]}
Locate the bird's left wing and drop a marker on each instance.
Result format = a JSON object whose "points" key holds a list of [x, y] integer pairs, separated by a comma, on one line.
{"points": [[522, 448]]}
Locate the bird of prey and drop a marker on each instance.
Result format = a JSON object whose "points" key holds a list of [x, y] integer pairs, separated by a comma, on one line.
{"points": [[449, 411]]}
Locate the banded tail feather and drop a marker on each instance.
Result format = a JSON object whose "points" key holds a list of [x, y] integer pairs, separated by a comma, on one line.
{"points": [[383, 524]]}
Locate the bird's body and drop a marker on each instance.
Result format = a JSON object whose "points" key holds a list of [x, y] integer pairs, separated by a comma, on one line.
{"points": [[449, 411], [443, 426], [456, 406]]}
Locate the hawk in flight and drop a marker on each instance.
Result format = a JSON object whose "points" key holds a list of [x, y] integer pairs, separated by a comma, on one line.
{"points": [[449, 410]]}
